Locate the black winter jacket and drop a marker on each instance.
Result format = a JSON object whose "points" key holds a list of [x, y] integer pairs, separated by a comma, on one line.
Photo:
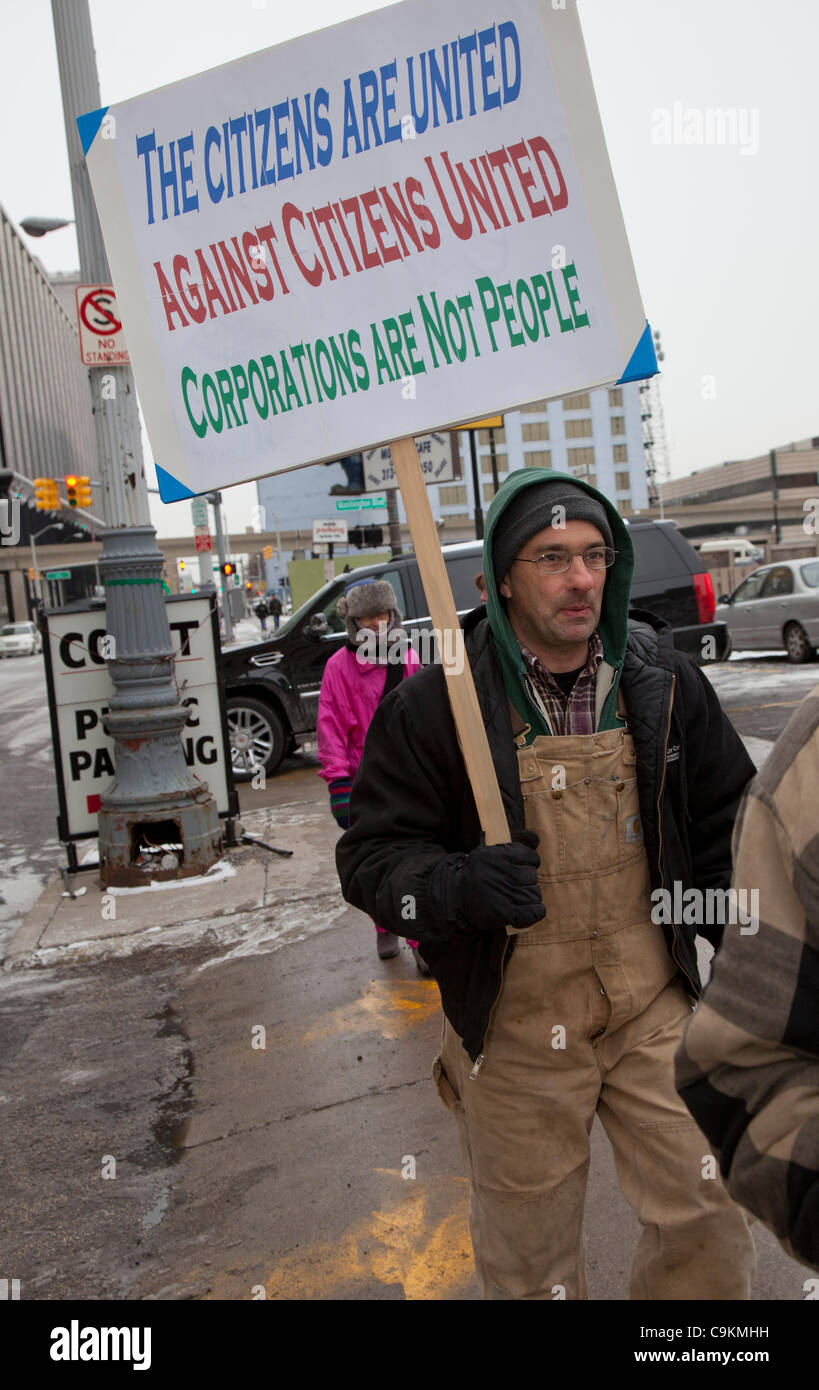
{"points": [[412, 804]]}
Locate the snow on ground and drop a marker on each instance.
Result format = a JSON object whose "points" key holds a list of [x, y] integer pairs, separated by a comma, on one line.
{"points": [[28, 857]]}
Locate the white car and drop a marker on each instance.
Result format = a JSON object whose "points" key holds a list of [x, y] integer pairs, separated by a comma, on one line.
{"points": [[19, 639], [776, 606]]}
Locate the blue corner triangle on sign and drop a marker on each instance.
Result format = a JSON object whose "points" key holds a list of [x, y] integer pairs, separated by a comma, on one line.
{"points": [[88, 125], [643, 360], [170, 488]]}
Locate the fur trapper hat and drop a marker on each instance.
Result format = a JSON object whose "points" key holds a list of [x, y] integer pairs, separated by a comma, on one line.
{"points": [[365, 600]]}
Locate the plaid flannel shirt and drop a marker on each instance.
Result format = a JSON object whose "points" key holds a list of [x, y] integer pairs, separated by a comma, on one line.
{"points": [[572, 713], [748, 1064]]}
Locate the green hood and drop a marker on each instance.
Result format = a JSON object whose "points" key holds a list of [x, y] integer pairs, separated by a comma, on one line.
{"points": [[613, 625]]}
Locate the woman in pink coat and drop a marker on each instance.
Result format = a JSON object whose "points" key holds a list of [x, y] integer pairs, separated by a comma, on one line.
{"points": [[356, 679]]}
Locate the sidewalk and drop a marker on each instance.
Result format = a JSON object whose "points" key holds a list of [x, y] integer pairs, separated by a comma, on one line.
{"points": [[251, 896], [259, 1078], [262, 1082]]}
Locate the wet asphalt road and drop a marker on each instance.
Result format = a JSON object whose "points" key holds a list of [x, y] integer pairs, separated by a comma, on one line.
{"points": [[238, 1171]]}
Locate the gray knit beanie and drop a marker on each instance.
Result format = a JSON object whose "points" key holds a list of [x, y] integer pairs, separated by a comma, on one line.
{"points": [[364, 600], [532, 510]]}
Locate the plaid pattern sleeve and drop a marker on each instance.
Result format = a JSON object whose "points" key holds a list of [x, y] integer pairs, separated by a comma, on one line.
{"points": [[573, 713], [748, 1064]]}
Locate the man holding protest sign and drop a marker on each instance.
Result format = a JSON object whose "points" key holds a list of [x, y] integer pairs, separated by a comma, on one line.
{"points": [[294, 291], [619, 773]]}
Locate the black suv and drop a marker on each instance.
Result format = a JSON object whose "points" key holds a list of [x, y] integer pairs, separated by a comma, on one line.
{"points": [[272, 687]]}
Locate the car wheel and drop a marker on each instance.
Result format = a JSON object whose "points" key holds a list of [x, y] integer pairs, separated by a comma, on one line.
{"points": [[257, 737], [797, 645]]}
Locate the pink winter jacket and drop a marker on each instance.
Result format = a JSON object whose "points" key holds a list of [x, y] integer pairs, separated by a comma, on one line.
{"points": [[350, 692]]}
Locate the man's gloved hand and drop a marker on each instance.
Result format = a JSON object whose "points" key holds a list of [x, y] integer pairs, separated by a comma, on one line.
{"points": [[491, 887], [340, 800]]}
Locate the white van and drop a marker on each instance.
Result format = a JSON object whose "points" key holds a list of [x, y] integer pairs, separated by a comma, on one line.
{"points": [[741, 550]]}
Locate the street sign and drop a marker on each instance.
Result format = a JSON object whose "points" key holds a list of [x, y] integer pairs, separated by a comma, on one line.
{"points": [[58, 574], [325, 532], [434, 225], [79, 691], [102, 340], [199, 512], [202, 537], [374, 502], [434, 455]]}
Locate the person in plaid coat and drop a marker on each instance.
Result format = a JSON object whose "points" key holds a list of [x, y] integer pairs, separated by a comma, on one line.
{"points": [[748, 1064]]}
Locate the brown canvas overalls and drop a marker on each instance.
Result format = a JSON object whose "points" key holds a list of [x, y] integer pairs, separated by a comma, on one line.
{"points": [[590, 1013]]}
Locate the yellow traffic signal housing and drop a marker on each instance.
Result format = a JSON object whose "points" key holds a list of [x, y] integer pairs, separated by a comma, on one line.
{"points": [[46, 494], [78, 490]]}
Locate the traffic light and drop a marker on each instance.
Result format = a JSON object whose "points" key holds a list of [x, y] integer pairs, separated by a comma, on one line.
{"points": [[355, 536], [268, 552], [181, 564], [46, 494], [373, 535], [227, 569], [78, 490], [248, 584]]}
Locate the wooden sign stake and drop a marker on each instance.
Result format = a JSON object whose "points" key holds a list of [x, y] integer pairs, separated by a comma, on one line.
{"points": [[457, 671]]}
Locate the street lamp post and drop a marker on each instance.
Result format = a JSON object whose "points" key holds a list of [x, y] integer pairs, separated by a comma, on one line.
{"points": [[279, 564], [215, 499], [52, 526], [153, 797]]}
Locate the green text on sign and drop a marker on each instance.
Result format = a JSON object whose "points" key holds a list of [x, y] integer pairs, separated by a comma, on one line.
{"points": [[354, 504]]}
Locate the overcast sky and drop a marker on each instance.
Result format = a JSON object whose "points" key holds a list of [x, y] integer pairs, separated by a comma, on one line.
{"points": [[724, 238]]}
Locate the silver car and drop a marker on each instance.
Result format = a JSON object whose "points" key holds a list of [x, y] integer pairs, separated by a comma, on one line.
{"points": [[19, 639], [776, 606]]}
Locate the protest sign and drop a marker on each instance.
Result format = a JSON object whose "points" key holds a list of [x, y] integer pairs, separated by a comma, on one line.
{"points": [[365, 234]]}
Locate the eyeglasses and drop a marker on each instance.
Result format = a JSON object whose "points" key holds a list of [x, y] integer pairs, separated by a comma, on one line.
{"points": [[597, 557]]}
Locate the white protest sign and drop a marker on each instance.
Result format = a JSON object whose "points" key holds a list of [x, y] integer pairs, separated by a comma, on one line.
{"points": [[80, 687], [364, 234]]}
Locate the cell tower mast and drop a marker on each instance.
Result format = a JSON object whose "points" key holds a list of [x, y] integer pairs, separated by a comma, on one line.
{"points": [[655, 446]]}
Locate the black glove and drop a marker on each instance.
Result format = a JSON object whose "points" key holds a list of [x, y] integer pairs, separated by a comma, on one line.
{"points": [[493, 886]]}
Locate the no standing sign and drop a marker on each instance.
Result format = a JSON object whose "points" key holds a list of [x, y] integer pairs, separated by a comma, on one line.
{"points": [[102, 340]]}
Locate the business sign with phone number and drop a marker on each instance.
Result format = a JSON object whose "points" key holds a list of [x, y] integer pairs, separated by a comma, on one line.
{"points": [[435, 455]]}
